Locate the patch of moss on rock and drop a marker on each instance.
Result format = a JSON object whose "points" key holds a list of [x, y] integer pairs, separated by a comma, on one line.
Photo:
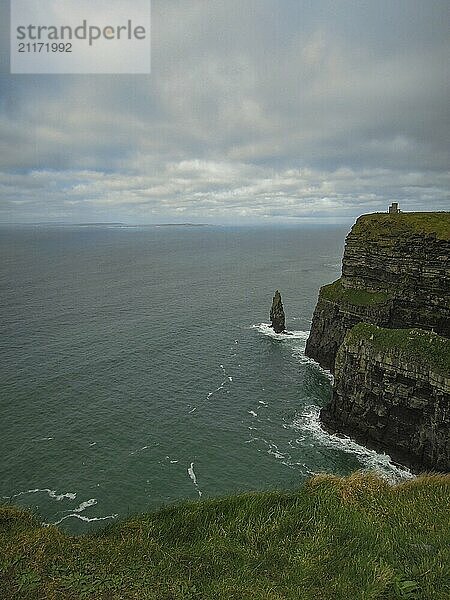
{"points": [[336, 292], [414, 344]]}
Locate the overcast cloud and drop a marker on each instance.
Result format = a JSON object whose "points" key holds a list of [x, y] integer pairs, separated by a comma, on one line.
{"points": [[256, 111]]}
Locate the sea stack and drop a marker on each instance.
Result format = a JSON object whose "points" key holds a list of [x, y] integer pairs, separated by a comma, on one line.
{"points": [[277, 318]]}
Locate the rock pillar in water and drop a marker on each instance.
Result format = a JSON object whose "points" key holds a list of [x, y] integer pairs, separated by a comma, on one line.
{"points": [[277, 317]]}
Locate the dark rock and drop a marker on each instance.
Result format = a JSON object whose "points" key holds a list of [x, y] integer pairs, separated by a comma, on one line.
{"points": [[395, 277], [406, 270], [277, 317], [392, 401]]}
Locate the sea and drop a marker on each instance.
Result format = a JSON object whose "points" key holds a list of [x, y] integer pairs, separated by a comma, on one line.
{"points": [[138, 368]]}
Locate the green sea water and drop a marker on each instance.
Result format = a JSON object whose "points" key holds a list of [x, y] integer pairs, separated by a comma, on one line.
{"points": [[138, 369]]}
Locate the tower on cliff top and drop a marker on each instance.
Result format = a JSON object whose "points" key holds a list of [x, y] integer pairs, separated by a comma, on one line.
{"points": [[394, 209]]}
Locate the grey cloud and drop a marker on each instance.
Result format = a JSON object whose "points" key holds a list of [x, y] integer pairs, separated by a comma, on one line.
{"points": [[253, 110], [219, 192]]}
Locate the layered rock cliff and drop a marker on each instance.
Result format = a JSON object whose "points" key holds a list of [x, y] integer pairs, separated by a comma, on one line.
{"points": [[383, 330], [395, 273], [392, 389]]}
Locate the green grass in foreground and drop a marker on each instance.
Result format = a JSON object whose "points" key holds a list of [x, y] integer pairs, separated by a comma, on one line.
{"points": [[354, 538], [424, 223], [337, 293], [414, 344]]}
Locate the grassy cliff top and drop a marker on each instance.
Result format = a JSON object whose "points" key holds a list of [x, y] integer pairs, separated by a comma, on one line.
{"points": [[422, 223], [333, 539], [416, 344], [337, 293]]}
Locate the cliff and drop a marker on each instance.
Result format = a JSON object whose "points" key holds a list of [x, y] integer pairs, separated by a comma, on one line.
{"points": [[383, 330], [395, 274], [392, 389]]}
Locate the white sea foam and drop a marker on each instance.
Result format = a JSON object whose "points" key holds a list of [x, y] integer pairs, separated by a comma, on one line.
{"points": [[172, 461], [83, 518], [252, 412], [284, 457], [274, 451], [228, 379], [193, 477], [298, 351], [75, 513], [266, 329], [299, 354], [309, 421], [139, 450], [297, 442], [191, 473], [52, 493], [83, 506]]}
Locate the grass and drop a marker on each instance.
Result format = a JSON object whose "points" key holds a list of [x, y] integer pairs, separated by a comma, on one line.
{"points": [[375, 225], [334, 538], [416, 344], [337, 293]]}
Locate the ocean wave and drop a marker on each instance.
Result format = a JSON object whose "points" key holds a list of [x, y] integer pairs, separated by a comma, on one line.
{"points": [[53, 494], [84, 505], [266, 329], [284, 456], [275, 451], [139, 450], [193, 477], [299, 354], [309, 421], [298, 351], [228, 379], [82, 518], [75, 513]]}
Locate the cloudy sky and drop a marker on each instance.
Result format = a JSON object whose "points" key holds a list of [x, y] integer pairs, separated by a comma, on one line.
{"points": [[256, 111]]}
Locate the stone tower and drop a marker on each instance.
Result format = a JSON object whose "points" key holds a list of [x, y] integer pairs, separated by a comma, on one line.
{"points": [[394, 209]]}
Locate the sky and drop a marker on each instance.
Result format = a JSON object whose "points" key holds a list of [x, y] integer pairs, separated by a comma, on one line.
{"points": [[255, 112]]}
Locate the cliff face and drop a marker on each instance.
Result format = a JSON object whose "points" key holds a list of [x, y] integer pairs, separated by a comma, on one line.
{"points": [[373, 328], [395, 273], [405, 256], [392, 389], [333, 318]]}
